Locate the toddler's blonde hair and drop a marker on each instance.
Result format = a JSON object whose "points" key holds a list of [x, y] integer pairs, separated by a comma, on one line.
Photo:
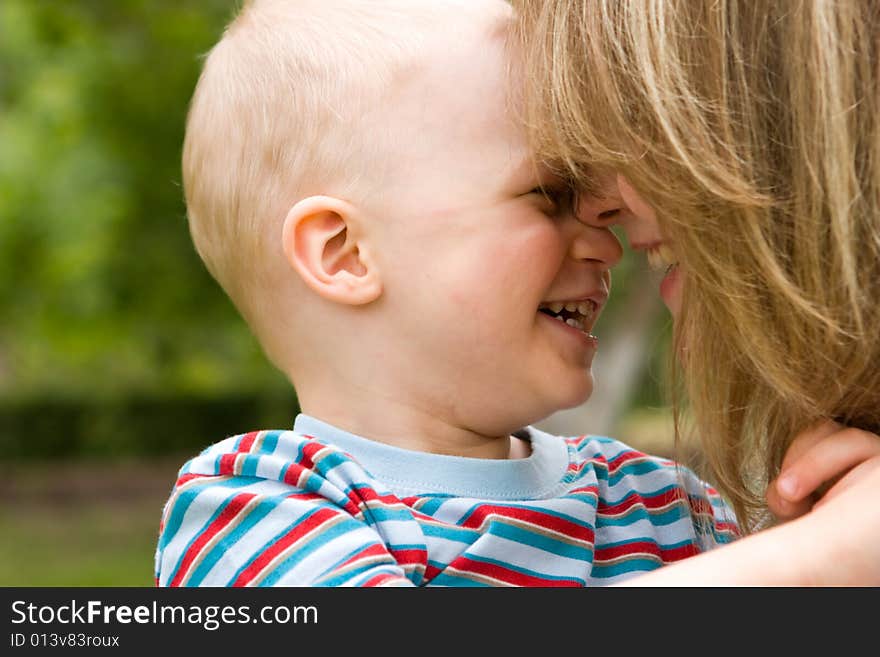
{"points": [[279, 113]]}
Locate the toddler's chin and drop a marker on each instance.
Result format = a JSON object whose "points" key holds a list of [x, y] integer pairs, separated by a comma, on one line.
{"points": [[578, 393]]}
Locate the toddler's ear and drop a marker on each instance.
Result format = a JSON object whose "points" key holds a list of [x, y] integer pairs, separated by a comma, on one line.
{"points": [[324, 242]]}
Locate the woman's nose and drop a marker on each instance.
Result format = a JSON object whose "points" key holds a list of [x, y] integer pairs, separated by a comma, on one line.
{"points": [[633, 202], [602, 209], [594, 240]]}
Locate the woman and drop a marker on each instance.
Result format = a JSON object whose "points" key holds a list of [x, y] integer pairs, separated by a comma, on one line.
{"points": [[747, 140]]}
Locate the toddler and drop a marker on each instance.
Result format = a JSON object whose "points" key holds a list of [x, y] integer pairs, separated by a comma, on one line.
{"points": [[358, 182]]}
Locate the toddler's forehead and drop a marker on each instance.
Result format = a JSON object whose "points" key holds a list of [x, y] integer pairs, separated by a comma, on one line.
{"points": [[469, 89]]}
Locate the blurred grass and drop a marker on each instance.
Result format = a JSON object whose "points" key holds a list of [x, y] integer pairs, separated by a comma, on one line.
{"points": [[87, 523], [89, 547]]}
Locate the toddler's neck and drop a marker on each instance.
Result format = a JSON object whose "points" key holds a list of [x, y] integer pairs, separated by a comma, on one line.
{"points": [[417, 429]]}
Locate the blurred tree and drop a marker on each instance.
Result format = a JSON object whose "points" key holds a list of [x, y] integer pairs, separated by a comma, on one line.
{"points": [[105, 305], [100, 289]]}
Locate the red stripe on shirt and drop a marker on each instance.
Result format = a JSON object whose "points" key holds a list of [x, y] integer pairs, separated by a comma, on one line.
{"points": [[247, 441], [380, 579], [375, 550], [308, 451], [274, 549], [182, 479], [635, 499], [233, 507], [646, 547], [547, 521], [408, 556], [506, 575]]}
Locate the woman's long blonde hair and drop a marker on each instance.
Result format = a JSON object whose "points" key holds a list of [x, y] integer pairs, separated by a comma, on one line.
{"points": [[752, 128]]}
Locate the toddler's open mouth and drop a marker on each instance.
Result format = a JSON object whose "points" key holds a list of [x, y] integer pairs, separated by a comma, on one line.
{"points": [[577, 314]]}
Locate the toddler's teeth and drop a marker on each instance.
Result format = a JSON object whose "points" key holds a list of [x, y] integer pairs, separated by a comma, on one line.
{"points": [[571, 306], [585, 308], [559, 317], [557, 307]]}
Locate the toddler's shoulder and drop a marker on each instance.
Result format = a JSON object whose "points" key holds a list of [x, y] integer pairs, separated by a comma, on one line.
{"points": [[250, 499], [615, 459], [272, 455], [278, 465], [624, 472]]}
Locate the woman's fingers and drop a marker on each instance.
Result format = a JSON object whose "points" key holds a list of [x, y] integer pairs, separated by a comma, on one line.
{"points": [[809, 438], [817, 460], [825, 461], [784, 510], [783, 507]]}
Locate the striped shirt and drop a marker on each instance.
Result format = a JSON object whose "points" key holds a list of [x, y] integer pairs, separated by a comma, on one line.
{"points": [[317, 506]]}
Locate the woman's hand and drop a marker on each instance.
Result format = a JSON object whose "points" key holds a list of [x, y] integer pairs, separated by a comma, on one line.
{"points": [[820, 463]]}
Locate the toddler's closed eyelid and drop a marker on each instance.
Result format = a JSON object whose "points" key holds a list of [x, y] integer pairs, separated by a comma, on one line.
{"points": [[557, 189], [563, 199], [598, 211]]}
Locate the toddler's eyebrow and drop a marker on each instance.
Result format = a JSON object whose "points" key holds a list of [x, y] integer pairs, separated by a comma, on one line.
{"points": [[529, 171], [525, 169]]}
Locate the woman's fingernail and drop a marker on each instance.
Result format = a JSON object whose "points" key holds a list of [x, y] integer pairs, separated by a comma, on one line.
{"points": [[787, 486]]}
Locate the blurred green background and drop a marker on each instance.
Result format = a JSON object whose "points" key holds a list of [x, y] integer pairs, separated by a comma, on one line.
{"points": [[119, 356]]}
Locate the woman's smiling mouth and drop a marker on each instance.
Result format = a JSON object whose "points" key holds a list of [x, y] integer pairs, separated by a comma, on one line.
{"points": [[660, 257]]}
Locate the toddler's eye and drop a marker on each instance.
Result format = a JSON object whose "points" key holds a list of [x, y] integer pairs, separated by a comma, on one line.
{"points": [[561, 199]]}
